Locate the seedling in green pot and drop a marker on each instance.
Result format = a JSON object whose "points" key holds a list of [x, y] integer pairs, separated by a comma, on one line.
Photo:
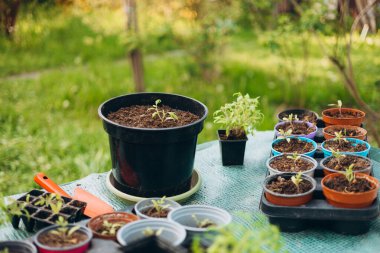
{"points": [[162, 114], [297, 179]]}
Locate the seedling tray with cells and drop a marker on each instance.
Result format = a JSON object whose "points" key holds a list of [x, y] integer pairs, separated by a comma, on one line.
{"points": [[318, 212], [38, 209]]}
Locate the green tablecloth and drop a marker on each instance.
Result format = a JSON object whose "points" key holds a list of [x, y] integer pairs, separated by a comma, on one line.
{"points": [[239, 189]]}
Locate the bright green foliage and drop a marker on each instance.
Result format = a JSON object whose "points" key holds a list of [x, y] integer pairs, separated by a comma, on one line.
{"points": [[52, 200], [236, 238], [162, 114], [297, 179], [17, 209], [338, 155], [63, 231], [159, 204], [349, 173], [285, 135], [110, 228], [240, 116]]}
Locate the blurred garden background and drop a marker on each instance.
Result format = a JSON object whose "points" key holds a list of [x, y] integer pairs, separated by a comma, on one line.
{"points": [[59, 60]]}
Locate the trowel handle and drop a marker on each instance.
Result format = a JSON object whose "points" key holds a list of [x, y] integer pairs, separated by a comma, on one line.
{"points": [[48, 184]]}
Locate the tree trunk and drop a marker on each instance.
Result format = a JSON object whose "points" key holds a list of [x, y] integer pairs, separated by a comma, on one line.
{"points": [[135, 54], [8, 14]]}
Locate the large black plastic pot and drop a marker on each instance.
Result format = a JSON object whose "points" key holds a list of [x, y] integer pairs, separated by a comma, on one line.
{"points": [[153, 162]]}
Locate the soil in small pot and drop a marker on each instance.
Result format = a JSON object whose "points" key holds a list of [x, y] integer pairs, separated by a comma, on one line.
{"points": [[345, 132], [285, 164], [140, 116], [286, 186], [343, 163], [57, 241], [233, 135], [152, 212], [297, 128], [344, 146], [306, 116], [293, 146], [341, 184], [344, 114]]}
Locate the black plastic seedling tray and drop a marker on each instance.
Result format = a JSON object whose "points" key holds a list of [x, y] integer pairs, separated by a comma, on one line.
{"points": [[42, 216], [318, 212]]}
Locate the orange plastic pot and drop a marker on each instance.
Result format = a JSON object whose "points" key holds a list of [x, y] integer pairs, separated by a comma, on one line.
{"points": [[288, 199], [343, 121], [96, 223], [350, 199], [337, 128]]}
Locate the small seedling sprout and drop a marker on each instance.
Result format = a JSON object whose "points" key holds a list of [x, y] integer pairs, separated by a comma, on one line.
{"points": [[295, 157], [338, 155], [111, 228], [297, 179], [285, 135], [17, 209], [159, 204], [64, 232], [162, 114], [339, 105], [349, 174], [202, 223], [55, 202], [290, 118], [150, 232], [339, 137]]}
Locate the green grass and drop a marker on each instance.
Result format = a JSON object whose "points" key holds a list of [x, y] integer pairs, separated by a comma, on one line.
{"points": [[49, 122]]}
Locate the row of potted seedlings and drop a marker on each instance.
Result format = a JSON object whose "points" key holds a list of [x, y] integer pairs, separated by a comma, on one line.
{"points": [[346, 183], [159, 218]]}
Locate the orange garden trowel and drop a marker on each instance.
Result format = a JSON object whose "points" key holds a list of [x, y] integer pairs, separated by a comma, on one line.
{"points": [[95, 206]]}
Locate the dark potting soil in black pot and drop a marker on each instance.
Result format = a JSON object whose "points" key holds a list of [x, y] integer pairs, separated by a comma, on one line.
{"points": [[153, 162]]}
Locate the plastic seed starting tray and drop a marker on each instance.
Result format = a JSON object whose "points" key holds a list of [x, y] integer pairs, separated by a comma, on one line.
{"points": [[42, 215], [318, 212]]}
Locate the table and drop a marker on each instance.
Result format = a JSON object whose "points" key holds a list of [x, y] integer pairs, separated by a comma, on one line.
{"points": [[239, 189]]}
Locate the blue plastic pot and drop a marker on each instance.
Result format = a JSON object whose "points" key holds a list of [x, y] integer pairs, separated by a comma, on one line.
{"points": [[311, 153], [364, 153]]}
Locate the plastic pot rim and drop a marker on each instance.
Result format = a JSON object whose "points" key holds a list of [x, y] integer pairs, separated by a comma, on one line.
{"points": [[180, 236], [303, 156], [300, 138], [173, 205], [345, 126], [195, 229], [374, 180], [104, 118], [296, 109], [297, 121], [309, 178], [357, 141], [84, 229], [345, 108], [322, 163], [31, 247], [231, 141]]}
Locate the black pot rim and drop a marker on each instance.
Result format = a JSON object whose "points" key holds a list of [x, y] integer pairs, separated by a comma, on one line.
{"points": [[29, 245], [104, 118], [224, 130], [300, 109]]}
